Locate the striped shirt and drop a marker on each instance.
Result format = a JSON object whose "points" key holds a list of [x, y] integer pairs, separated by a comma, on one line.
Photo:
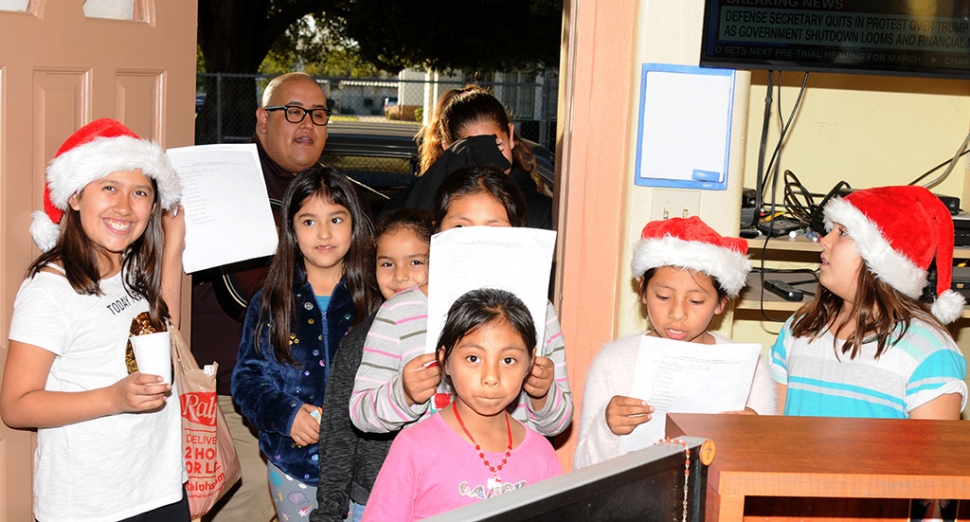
{"points": [[921, 366], [378, 403]]}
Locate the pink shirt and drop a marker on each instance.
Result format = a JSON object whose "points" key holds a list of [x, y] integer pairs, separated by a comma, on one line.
{"points": [[432, 469]]}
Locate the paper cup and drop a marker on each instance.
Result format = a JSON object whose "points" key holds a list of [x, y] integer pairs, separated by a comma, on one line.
{"points": [[153, 353]]}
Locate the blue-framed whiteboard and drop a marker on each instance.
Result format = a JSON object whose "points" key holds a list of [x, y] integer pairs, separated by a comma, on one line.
{"points": [[684, 129]]}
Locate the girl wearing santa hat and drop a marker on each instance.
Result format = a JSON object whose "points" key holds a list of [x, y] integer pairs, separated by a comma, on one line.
{"points": [[109, 436], [686, 273], [868, 345]]}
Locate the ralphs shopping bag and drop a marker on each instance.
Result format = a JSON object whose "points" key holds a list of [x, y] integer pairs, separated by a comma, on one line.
{"points": [[210, 457]]}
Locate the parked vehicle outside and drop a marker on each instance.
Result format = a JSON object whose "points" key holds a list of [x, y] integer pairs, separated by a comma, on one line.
{"points": [[384, 156]]}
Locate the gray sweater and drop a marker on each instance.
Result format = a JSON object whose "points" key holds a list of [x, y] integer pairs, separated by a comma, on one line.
{"points": [[349, 458]]}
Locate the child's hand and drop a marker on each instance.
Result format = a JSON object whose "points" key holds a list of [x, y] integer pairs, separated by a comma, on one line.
{"points": [[306, 429], [173, 226], [625, 413], [421, 376], [140, 392], [539, 381]]}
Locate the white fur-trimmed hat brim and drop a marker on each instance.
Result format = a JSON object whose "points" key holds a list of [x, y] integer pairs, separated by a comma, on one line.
{"points": [[890, 266], [728, 266], [71, 171]]}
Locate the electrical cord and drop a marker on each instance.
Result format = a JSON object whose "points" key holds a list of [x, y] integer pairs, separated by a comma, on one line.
{"points": [[774, 166], [791, 116], [799, 202], [962, 151], [759, 175]]}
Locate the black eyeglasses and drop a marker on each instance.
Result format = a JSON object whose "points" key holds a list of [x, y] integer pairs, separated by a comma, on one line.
{"points": [[295, 114]]}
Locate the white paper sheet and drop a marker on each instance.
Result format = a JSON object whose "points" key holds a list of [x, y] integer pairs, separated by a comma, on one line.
{"points": [[227, 212], [681, 377], [463, 259]]}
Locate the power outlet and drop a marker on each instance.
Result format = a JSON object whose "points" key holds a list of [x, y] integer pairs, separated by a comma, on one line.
{"points": [[674, 203]]}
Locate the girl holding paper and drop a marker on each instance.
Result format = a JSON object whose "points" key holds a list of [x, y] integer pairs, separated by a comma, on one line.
{"points": [[686, 272], [398, 384], [109, 439], [319, 285]]}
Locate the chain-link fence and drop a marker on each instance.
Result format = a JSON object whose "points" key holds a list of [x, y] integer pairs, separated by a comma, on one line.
{"points": [[226, 103]]}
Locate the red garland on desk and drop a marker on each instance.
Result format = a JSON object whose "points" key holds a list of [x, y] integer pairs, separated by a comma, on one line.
{"points": [[668, 440]]}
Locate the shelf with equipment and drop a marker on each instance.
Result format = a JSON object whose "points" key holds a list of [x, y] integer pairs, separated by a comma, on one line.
{"points": [[800, 250]]}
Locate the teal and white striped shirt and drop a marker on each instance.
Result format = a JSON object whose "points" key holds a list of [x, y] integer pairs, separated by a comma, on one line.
{"points": [[921, 366]]}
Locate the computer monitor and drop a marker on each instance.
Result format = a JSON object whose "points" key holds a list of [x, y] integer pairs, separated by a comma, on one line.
{"points": [[644, 485]]}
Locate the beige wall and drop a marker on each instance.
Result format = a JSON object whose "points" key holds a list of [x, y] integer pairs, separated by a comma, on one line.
{"points": [[669, 32]]}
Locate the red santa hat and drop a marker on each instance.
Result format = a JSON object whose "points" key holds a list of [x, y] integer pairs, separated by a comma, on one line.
{"points": [[690, 243], [898, 231], [94, 151]]}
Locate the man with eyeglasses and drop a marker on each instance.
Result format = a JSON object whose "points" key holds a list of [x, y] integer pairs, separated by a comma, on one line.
{"points": [[291, 125], [291, 130]]}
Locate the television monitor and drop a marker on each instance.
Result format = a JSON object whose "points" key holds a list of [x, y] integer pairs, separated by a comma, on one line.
{"points": [[889, 37], [645, 485]]}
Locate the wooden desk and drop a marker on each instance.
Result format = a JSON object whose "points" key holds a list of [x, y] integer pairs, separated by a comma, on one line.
{"points": [[777, 456]]}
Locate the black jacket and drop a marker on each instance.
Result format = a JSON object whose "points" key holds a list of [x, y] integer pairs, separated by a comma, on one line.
{"points": [[474, 150]]}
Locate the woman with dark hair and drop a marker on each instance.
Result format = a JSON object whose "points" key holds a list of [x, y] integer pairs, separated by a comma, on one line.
{"points": [[471, 127]]}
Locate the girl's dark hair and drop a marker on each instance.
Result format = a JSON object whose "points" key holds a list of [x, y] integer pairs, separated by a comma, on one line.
{"points": [[280, 301], [417, 220], [142, 267], [881, 313], [645, 279], [459, 108], [484, 179], [480, 307]]}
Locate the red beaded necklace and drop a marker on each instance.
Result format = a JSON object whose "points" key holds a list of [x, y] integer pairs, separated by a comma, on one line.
{"points": [[478, 447]]}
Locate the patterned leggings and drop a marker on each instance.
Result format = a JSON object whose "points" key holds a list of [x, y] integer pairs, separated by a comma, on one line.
{"points": [[293, 499]]}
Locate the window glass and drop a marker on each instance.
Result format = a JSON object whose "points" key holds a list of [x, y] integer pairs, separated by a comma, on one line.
{"points": [[14, 5], [114, 9]]}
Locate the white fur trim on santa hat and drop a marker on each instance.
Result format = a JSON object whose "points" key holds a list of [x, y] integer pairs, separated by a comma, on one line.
{"points": [[728, 266], [893, 268], [71, 171], [948, 306], [44, 231]]}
